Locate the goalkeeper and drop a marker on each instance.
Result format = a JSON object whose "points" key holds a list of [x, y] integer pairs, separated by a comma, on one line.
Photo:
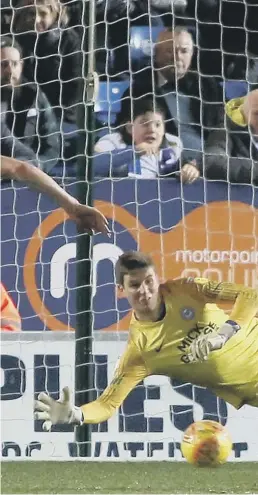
{"points": [[177, 330]]}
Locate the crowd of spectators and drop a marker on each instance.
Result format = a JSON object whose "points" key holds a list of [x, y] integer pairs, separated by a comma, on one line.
{"points": [[175, 118]]}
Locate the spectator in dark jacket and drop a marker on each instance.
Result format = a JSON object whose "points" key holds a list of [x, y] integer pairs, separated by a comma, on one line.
{"points": [[232, 153], [193, 103], [29, 129], [53, 50]]}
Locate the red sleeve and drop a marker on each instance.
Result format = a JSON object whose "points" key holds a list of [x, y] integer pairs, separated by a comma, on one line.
{"points": [[10, 318]]}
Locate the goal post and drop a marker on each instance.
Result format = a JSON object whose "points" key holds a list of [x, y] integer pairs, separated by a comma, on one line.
{"points": [[84, 321]]}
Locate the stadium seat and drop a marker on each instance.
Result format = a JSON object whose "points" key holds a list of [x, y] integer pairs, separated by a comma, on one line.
{"points": [[108, 103], [142, 39], [234, 89]]}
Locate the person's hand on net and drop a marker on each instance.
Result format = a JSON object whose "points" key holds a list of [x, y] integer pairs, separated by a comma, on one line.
{"points": [[189, 172], [60, 411], [148, 149], [88, 219]]}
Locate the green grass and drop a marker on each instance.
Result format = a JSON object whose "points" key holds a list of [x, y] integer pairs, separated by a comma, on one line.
{"points": [[140, 477]]}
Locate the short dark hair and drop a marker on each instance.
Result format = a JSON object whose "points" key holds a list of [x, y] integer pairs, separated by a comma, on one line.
{"points": [[131, 109], [131, 260], [10, 42], [139, 106]]}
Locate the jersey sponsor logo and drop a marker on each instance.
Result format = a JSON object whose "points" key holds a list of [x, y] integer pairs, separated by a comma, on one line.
{"points": [[187, 313], [50, 258], [191, 335]]}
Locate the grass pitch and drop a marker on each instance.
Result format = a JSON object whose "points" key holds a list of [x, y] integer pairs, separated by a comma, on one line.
{"points": [[140, 477]]}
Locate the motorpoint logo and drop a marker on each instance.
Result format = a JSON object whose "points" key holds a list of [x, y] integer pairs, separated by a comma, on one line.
{"points": [[217, 240], [207, 256]]}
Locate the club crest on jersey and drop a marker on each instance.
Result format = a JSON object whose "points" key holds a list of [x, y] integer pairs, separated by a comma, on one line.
{"points": [[187, 313]]}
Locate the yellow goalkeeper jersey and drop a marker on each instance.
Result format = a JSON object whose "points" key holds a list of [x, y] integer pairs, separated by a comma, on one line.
{"points": [[161, 348]]}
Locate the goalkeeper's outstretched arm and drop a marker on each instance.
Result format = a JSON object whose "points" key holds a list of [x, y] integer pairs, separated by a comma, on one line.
{"points": [[130, 371], [88, 219]]}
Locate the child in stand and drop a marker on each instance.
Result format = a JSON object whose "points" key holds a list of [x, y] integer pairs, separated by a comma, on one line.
{"points": [[140, 148]]}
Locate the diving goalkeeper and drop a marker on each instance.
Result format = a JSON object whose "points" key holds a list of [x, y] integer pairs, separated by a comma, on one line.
{"points": [[177, 330]]}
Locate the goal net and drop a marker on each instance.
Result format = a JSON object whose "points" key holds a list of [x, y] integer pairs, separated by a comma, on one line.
{"points": [[191, 60]]}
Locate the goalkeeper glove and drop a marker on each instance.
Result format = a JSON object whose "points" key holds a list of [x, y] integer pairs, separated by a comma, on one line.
{"points": [[57, 411], [203, 345]]}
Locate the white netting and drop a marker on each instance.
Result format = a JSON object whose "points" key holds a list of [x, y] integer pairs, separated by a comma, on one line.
{"points": [[206, 228]]}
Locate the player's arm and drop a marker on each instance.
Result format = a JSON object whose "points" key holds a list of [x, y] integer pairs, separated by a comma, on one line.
{"points": [[245, 299], [130, 371], [245, 307], [88, 219]]}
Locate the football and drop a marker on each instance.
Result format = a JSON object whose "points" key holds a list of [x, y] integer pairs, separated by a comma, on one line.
{"points": [[206, 443]]}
